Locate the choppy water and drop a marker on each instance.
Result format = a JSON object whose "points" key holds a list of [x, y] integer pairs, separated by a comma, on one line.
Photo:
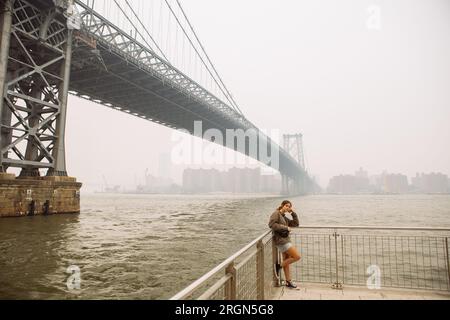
{"points": [[151, 246]]}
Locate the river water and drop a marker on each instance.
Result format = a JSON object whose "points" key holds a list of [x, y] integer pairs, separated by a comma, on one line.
{"points": [[152, 246]]}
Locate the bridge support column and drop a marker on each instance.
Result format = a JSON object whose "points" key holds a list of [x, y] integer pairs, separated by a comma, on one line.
{"points": [[59, 151], [5, 25], [35, 62]]}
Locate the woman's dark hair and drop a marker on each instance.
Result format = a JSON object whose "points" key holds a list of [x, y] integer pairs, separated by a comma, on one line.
{"points": [[285, 202]]}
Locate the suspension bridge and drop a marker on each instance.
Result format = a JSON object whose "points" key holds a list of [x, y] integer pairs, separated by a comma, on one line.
{"points": [[140, 57]]}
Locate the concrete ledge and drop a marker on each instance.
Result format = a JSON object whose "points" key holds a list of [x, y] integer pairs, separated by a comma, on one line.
{"points": [[59, 179]]}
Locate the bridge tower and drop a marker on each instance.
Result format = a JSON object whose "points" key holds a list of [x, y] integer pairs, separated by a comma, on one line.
{"points": [[35, 62], [293, 144]]}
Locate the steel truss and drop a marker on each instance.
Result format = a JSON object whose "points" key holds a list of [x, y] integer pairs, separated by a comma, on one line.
{"points": [[35, 87], [293, 144]]}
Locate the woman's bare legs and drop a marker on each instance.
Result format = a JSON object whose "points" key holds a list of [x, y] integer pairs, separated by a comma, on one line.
{"points": [[289, 257]]}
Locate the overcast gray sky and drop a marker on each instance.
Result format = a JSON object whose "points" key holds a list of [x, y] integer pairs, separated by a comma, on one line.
{"points": [[366, 95]]}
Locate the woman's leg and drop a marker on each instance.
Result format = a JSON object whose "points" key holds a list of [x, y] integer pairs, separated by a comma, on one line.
{"points": [[287, 273], [289, 257]]}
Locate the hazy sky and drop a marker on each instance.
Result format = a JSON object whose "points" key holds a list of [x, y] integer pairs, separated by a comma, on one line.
{"points": [[365, 92]]}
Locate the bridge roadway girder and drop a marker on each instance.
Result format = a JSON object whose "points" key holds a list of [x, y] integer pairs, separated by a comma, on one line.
{"points": [[144, 89]]}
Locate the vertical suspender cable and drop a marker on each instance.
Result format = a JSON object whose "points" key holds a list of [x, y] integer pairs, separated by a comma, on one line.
{"points": [[145, 29], [224, 89], [207, 57]]}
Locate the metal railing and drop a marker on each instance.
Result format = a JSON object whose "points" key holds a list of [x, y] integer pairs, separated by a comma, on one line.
{"points": [[415, 258], [246, 275]]}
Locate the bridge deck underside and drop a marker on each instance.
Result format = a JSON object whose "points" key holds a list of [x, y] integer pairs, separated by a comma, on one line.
{"points": [[107, 74], [111, 80]]}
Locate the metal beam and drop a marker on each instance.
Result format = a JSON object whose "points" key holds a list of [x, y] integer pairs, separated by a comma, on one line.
{"points": [[6, 23]]}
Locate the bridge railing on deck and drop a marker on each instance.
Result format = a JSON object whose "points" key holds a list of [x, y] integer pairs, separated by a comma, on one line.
{"points": [[376, 257]]}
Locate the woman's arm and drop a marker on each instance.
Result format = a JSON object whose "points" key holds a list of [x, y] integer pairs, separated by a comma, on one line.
{"points": [[273, 223], [294, 222]]}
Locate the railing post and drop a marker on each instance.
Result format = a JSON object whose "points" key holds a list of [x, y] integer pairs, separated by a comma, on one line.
{"points": [[448, 261], [336, 284], [230, 289], [260, 270]]}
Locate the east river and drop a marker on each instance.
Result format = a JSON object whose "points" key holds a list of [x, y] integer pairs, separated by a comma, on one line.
{"points": [[152, 246]]}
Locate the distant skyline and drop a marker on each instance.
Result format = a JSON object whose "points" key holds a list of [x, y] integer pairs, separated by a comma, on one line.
{"points": [[376, 98]]}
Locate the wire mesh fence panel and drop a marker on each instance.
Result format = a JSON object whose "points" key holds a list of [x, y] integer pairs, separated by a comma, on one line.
{"points": [[268, 268], [395, 261], [246, 279], [317, 258], [218, 291], [220, 294]]}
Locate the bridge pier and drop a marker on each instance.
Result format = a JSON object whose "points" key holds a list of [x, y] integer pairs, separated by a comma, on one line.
{"points": [[35, 63]]}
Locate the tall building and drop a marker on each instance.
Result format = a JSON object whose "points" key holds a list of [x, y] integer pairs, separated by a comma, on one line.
{"points": [[431, 183], [202, 180], [235, 180], [270, 183], [165, 166], [362, 181], [395, 183], [343, 184], [243, 180]]}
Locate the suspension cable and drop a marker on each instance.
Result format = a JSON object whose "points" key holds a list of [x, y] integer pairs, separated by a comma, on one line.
{"points": [[222, 88], [146, 30], [204, 51]]}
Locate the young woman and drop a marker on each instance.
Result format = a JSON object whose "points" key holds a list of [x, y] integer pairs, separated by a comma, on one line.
{"points": [[280, 226]]}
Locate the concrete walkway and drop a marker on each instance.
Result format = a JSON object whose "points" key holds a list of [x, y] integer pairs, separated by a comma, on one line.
{"points": [[308, 291]]}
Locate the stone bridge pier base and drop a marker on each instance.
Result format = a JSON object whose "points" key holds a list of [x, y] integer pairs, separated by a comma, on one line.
{"points": [[38, 196]]}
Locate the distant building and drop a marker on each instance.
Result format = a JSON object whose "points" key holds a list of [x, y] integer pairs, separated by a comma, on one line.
{"points": [[431, 183], [270, 183], [154, 184], [344, 184], [395, 183], [347, 184], [389, 183], [165, 166], [362, 183], [202, 180], [243, 180], [234, 180]]}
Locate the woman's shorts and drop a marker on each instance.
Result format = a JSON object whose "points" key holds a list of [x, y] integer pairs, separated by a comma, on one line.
{"points": [[284, 247]]}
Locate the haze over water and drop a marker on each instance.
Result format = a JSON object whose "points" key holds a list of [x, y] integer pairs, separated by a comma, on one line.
{"points": [[152, 246]]}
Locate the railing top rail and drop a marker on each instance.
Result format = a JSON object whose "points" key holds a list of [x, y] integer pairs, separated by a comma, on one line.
{"points": [[374, 228], [188, 290]]}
